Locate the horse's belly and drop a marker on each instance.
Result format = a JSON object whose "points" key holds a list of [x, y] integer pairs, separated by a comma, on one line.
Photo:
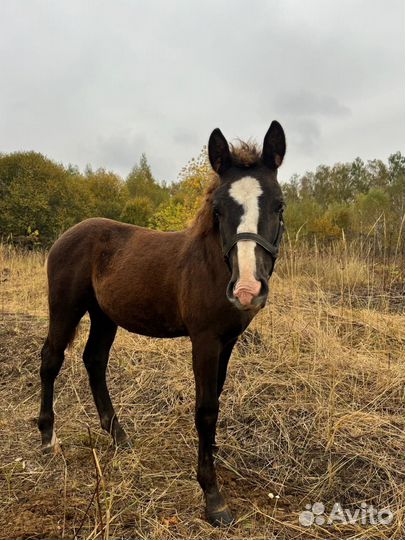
{"points": [[146, 317], [157, 327]]}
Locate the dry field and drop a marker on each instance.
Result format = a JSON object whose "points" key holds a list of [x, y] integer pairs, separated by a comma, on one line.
{"points": [[312, 411]]}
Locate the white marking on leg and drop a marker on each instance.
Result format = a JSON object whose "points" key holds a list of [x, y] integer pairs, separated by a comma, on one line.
{"points": [[53, 446], [246, 192], [53, 439]]}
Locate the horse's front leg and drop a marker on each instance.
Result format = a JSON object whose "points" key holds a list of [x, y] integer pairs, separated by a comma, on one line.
{"points": [[206, 351]]}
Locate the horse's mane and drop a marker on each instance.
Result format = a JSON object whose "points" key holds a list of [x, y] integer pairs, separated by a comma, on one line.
{"points": [[244, 155], [203, 222]]}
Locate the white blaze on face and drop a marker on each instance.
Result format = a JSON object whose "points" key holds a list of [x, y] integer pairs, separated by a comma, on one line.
{"points": [[246, 192]]}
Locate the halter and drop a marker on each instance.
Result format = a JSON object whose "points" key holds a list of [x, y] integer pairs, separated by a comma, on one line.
{"points": [[273, 249]]}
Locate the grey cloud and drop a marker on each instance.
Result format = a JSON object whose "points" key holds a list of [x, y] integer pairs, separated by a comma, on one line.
{"points": [[185, 137], [306, 136], [121, 150], [306, 103], [157, 77]]}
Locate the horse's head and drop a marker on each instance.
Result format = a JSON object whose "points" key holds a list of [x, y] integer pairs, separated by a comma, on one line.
{"points": [[248, 207]]}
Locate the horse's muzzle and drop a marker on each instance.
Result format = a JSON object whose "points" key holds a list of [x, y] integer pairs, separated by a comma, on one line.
{"points": [[248, 296]]}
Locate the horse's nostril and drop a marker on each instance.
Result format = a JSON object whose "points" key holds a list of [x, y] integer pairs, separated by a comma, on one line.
{"points": [[247, 294], [246, 291], [252, 287]]}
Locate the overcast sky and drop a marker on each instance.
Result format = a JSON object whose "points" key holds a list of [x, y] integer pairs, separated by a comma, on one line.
{"points": [[101, 82]]}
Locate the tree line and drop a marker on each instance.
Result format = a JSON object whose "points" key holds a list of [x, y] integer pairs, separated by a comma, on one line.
{"points": [[43, 198], [40, 198]]}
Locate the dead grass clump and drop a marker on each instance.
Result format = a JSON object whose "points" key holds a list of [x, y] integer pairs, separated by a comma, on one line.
{"points": [[312, 411]]}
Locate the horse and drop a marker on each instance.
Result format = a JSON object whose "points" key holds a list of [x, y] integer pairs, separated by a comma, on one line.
{"points": [[206, 282]]}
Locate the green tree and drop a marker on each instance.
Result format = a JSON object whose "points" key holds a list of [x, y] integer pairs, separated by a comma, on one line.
{"points": [[340, 215], [141, 183], [108, 193], [370, 209], [300, 217], [186, 195], [396, 188], [137, 211], [39, 194]]}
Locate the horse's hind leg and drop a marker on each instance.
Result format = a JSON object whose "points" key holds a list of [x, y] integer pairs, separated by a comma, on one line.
{"points": [[62, 325], [95, 356]]}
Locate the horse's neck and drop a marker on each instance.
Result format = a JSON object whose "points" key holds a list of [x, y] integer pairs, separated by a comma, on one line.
{"points": [[205, 251]]}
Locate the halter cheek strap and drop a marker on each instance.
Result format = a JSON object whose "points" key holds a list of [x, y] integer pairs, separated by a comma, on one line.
{"points": [[273, 249]]}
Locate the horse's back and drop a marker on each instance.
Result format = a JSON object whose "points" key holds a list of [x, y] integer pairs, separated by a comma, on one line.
{"points": [[129, 271]]}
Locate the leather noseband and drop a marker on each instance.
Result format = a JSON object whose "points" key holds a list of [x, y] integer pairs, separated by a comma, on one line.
{"points": [[272, 248]]}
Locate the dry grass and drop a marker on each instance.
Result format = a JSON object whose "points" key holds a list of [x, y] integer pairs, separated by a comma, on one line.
{"points": [[312, 411]]}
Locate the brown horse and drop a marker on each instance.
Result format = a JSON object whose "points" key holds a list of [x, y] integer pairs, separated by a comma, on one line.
{"points": [[206, 282]]}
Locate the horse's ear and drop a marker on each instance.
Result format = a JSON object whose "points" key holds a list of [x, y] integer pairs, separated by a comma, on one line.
{"points": [[274, 146], [218, 152]]}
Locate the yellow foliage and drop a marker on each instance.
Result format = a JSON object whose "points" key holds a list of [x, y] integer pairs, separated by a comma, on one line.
{"points": [[324, 228], [186, 196]]}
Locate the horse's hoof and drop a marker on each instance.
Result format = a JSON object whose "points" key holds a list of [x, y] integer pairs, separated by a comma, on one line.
{"points": [[220, 517], [53, 447], [122, 441]]}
